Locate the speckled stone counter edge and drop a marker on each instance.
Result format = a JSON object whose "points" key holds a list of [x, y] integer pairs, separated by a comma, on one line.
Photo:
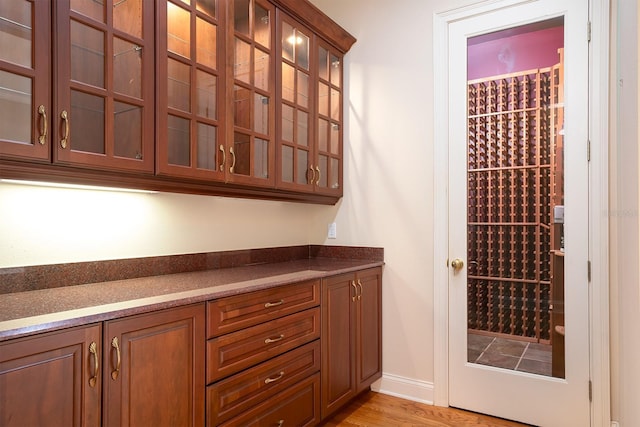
{"points": [[22, 279]]}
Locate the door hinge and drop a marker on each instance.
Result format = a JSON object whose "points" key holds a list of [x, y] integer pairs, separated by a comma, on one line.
{"points": [[589, 271], [589, 31], [588, 150], [590, 391]]}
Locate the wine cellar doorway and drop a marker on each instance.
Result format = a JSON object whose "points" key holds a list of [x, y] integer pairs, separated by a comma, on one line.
{"points": [[515, 210]]}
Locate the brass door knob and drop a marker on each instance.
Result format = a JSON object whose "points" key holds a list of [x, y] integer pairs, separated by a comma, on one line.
{"points": [[457, 264]]}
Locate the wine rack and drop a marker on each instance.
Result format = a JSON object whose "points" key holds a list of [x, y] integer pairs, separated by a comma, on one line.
{"points": [[514, 178]]}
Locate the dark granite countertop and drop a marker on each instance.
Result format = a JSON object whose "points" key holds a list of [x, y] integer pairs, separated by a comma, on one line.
{"points": [[24, 313]]}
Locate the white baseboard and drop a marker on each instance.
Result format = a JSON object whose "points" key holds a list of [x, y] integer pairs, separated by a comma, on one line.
{"points": [[406, 388]]}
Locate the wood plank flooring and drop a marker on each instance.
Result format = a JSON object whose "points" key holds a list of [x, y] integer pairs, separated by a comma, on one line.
{"points": [[372, 409]]}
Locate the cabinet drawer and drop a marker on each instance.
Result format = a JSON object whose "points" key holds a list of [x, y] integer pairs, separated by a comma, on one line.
{"points": [[297, 406], [238, 350], [236, 394], [234, 313]]}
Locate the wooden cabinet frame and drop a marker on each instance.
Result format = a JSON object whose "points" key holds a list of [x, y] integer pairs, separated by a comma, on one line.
{"points": [[53, 163]]}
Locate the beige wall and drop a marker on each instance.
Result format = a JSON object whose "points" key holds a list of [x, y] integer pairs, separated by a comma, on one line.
{"points": [[624, 184], [46, 226]]}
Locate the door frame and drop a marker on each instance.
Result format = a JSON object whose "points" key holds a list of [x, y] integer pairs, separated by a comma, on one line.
{"points": [[598, 199]]}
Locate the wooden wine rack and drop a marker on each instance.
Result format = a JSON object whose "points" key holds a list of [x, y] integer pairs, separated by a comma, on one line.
{"points": [[514, 179]]}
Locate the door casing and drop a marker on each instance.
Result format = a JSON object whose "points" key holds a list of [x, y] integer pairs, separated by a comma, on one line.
{"points": [[598, 199]]}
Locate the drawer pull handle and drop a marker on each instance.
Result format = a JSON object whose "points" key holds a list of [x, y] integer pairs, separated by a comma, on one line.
{"points": [[93, 349], [116, 372], [272, 340], [271, 380], [280, 423], [273, 304]]}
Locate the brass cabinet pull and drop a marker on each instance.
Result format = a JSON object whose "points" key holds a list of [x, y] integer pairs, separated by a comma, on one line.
{"points": [[114, 344], [360, 295], [274, 379], [224, 158], [43, 135], [273, 304], [280, 423], [93, 349], [313, 175], [318, 178], [233, 159], [272, 340], [355, 290], [65, 136]]}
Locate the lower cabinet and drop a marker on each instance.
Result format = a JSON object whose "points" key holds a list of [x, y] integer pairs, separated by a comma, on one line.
{"points": [[351, 336], [290, 355], [152, 369], [263, 357], [52, 379]]}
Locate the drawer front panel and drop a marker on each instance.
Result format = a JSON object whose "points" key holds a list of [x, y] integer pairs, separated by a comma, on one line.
{"points": [[297, 406], [241, 311], [239, 350], [238, 393]]}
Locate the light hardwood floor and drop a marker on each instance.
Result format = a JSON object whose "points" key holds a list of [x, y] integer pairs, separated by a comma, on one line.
{"points": [[372, 409]]}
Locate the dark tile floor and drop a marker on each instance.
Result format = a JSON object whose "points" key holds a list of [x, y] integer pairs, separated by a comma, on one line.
{"points": [[509, 354]]}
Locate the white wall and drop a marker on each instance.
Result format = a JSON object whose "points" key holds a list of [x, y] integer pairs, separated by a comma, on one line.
{"points": [[41, 225], [625, 200], [389, 170]]}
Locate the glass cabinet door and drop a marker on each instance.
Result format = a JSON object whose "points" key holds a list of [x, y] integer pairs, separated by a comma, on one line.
{"points": [[250, 153], [25, 79], [329, 122], [189, 86], [104, 114], [297, 169]]}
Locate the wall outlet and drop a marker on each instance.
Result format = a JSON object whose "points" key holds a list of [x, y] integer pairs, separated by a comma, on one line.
{"points": [[331, 233]]}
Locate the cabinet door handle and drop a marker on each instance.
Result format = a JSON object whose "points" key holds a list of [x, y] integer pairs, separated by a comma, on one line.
{"points": [[233, 159], [65, 135], [274, 379], [313, 175], [280, 423], [272, 340], [43, 135], [116, 345], [224, 158], [318, 178], [360, 284], [93, 349], [355, 290], [273, 304]]}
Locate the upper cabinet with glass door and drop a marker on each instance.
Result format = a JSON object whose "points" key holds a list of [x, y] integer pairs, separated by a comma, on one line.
{"points": [[104, 114], [328, 158], [310, 112], [25, 79], [189, 89], [250, 148], [295, 137]]}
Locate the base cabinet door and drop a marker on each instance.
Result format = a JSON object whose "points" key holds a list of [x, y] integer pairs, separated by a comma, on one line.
{"points": [[52, 379], [369, 331], [154, 369], [338, 342], [351, 336]]}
